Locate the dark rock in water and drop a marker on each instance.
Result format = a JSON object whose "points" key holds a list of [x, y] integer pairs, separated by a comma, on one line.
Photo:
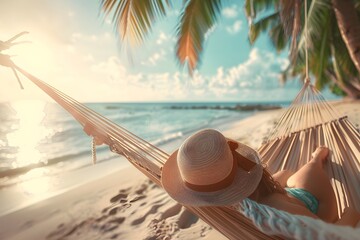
{"points": [[259, 107], [112, 107], [238, 107]]}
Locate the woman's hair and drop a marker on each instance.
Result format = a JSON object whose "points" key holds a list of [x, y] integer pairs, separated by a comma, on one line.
{"points": [[268, 184]]}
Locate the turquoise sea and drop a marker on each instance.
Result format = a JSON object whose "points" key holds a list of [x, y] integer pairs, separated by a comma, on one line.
{"points": [[43, 150]]}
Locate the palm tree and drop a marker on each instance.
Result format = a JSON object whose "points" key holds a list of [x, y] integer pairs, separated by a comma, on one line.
{"points": [[329, 59], [333, 26], [349, 24], [134, 19]]}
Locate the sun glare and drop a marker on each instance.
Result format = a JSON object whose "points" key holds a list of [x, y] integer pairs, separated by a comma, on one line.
{"points": [[29, 132], [32, 56], [34, 183]]}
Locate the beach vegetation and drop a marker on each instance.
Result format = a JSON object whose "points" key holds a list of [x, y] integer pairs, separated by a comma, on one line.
{"points": [[332, 36]]}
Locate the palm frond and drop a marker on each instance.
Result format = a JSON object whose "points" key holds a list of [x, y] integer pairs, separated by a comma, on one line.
{"points": [[286, 11], [357, 5], [197, 18], [336, 67], [290, 15], [253, 7], [315, 19], [249, 9], [262, 26], [278, 37], [133, 19], [320, 57]]}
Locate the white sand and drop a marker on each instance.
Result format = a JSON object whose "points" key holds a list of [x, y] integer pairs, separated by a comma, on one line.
{"points": [[125, 205]]}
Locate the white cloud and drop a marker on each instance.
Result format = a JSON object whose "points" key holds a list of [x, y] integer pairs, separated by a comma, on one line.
{"points": [[112, 70], [246, 81], [230, 12], [84, 57], [108, 21], [78, 37], [155, 58], [235, 28], [71, 14], [210, 31], [89, 58], [162, 38], [173, 12], [70, 49], [93, 38]]}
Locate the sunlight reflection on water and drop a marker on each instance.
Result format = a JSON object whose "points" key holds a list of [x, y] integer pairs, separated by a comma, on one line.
{"points": [[34, 183], [28, 132]]}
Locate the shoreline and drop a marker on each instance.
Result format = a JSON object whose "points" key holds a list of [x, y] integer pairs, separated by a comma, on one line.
{"points": [[44, 208], [32, 186], [120, 208], [14, 197]]}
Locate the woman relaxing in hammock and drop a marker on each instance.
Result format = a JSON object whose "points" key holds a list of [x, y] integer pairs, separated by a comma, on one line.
{"points": [[210, 170]]}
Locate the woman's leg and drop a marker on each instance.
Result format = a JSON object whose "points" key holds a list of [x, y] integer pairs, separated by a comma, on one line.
{"points": [[313, 178]]}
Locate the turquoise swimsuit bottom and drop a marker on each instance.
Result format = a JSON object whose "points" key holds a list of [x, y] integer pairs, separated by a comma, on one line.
{"points": [[310, 200]]}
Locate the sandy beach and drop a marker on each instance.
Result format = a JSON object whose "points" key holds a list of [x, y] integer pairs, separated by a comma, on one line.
{"points": [[126, 205]]}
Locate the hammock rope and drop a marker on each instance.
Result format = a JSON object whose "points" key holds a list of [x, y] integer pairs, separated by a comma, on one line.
{"points": [[97, 126], [307, 79], [93, 150], [279, 152], [148, 159], [309, 122]]}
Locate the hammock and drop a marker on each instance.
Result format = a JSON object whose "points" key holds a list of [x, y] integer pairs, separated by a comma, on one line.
{"points": [[307, 123]]}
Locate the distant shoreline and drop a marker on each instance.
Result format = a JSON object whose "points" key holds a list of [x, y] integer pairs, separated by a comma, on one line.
{"points": [[238, 107], [213, 106]]}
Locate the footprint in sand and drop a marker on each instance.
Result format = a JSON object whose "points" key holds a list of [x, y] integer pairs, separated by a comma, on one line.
{"points": [[121, 208], [110, 217], [118, 197], [121, 202], [173, 220]]}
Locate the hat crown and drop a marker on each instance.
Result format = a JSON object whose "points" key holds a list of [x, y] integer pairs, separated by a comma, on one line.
{"points": [[205, 158]]}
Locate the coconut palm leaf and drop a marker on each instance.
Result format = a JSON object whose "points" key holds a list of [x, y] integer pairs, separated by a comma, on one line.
{"points": [[319, 36], [320, 59], [263, 25], [133, 19], [323, 33], [253, 7], [197, 18], [290, 15], [278, 37], [315, 17]]}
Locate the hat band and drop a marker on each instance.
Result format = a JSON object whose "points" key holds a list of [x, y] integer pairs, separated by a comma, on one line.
{"points": [[215, 186]]}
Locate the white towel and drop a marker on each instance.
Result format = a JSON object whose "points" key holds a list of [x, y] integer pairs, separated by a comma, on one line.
{"points": [[276, 222]]}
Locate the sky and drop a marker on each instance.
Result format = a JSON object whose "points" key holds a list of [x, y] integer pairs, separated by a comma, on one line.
{"points": [[74, 47]]}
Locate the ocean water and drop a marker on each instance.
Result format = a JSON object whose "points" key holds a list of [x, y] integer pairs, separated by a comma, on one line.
{"points": [[43, 149]]}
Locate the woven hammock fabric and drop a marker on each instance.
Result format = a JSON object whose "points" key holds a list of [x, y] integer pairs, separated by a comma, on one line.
{"points": [[290, 150], [311, 122]]}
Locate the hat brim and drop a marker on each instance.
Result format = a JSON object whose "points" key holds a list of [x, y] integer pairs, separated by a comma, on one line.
{"points": [[243, 185]]}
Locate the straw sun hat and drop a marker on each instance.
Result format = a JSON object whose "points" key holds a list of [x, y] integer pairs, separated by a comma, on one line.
{"points": [[204, 172]]}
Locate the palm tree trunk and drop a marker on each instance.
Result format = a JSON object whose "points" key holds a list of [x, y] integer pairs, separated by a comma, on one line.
{"points": [[349, 25], [350, 90]]}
